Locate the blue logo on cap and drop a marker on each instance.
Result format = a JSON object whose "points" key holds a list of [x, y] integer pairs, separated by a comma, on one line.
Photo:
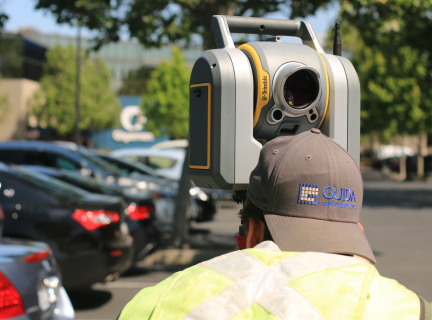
{"points": [[339, 194], [308, 194]]}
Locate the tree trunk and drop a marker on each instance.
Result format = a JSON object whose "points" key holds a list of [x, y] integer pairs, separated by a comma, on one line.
{"points": [[402, 168], [182, 208], [422, 152]]}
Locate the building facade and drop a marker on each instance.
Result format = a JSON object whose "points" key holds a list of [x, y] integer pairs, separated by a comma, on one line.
{"points": [[22, 61]]}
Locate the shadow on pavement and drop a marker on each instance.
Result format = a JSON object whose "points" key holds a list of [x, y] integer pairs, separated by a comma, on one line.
{"points": [[194, 231], [135, 271], [419, 198], [377, 253], [89, 299]]}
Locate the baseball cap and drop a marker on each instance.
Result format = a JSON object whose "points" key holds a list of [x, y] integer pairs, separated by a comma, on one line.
{"points": [[311, 192]]}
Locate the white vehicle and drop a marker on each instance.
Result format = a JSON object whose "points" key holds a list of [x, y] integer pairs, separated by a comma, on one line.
{"points": [[166, 162], [391, 151], [171, 144]]}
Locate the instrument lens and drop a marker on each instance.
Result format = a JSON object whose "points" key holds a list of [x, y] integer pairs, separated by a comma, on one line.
{"points": [[300, 89]]}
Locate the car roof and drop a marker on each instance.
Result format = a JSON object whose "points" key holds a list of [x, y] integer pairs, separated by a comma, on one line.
{"points": [[33, 145], [170, 144], [170, 153]]}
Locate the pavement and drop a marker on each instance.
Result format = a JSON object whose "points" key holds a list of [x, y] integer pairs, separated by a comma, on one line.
{"points": [[397, 217]]}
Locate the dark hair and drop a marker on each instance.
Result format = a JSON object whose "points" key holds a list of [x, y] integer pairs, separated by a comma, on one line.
{"points": [[252, 211]]}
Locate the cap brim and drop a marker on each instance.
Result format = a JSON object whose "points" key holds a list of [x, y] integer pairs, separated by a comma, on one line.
{"points": [[304, 234]]}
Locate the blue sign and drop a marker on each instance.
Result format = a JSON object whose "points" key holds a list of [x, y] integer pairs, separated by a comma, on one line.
{"points": [[132, 133]]}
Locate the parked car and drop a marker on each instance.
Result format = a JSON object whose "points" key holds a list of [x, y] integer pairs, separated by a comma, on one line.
{"points": [[139, 213], [205, 204], [45, 154], [87, 232], [30, 282], [166, 158], [68, 156]]}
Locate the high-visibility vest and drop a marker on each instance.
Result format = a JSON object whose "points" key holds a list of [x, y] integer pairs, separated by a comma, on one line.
{"points": [[267, 283]]}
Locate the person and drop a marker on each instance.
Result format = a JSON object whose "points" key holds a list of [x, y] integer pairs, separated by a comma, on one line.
{"points": [[306, 258]]}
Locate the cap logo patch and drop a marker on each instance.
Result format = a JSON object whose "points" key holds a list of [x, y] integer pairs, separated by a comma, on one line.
{"points": [[308, 194], [343, 194]]}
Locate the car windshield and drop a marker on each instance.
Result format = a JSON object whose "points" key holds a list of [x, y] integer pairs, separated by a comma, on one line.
{"points": [[95, 161], [89, 182], [143, 169], [46, 183], [132, 167]]}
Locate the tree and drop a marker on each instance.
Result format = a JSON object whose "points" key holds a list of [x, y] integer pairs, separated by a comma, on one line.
{"points": [[136, 82], [54, 104], [155, 23], [394, 61], [166, 100]]}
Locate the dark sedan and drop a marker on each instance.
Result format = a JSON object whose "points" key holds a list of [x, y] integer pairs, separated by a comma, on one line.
{"points": [[86, 232], [54, 156], [139, 214], [78, 159]]}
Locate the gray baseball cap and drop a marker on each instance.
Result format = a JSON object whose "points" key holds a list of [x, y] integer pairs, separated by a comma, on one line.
{"points": [[311, 192]]}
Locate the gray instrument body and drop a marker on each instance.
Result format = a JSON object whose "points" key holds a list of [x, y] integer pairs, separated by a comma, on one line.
{"points": [[224, 125]]}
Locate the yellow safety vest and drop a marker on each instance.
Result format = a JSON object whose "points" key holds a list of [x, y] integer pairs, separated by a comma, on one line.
{"points": [[267, 283]]}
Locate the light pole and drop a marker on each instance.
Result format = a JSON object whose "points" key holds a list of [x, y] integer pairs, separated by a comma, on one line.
{"points": [[78, 86]]}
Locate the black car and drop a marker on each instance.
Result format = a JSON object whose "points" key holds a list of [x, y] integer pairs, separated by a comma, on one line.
{"points": [[139, 213], [46, 154], [204, 199], [78, 159], [86, 232]]}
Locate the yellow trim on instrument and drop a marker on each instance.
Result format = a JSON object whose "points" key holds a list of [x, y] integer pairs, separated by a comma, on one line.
{"points": [[208, 126], [263, 94], [328, 90]]}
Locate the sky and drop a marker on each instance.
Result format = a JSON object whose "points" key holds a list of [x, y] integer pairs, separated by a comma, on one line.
{"points": [[22, 14]]}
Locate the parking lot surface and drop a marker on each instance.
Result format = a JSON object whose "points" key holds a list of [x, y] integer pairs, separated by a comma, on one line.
{"points": [[397, 217]]}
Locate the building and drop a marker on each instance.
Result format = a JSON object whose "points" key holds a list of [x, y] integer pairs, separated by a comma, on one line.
{"points": [[121, 57], [22, 60], [21, 66]]}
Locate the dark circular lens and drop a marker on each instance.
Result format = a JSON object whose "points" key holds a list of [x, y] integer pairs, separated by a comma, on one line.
{"points": [[277, 114], [300, 89]]}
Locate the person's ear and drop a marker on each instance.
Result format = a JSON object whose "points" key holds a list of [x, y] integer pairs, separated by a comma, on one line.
{"points": [[255, 234]]}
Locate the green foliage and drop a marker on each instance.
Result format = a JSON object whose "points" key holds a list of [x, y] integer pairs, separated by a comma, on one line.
{"points": [[394, 98], [166, 101], [157, 22], [136, 83], [54, 104], [393, 59], [100, 15]]}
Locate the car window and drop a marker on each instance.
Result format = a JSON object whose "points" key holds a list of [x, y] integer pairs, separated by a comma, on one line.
{"points": [[133, 158], [66, 164], [160, 162], [133, 168], [27, 157], [99, 164], [12, 156]]}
